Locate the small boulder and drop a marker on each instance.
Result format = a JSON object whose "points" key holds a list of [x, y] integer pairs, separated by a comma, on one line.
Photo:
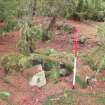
{"points": [[38, 79], [82, 39], [36, 75], [63, 72], [91, 81]]}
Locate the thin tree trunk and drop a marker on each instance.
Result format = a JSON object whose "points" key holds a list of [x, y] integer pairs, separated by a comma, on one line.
{"points": [[34, 8], [50, 28], [52, 22]]}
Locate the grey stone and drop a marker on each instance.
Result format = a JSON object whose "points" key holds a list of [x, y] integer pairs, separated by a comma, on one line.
{"points": [[63, 72], [38, 79]]}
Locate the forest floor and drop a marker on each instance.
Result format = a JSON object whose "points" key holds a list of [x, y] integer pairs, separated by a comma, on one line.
{"points": [[18, 86]]}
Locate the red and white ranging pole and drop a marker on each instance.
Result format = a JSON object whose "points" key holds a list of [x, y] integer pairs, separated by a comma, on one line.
{"points": [[75, 57]]}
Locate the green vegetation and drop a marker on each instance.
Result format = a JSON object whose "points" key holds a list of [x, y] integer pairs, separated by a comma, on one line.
{"points": [[15, 62], [10, 62], [57, 99], [101, 34], [4, 94], [7, 15], [30, 34], [82, 83], [48, 60], [79, 9], [96, 57], [94, 61], [68, 29], [101, 100], [19, 15], [7, 10], [11, 11], [76, 97], [55, 75]]}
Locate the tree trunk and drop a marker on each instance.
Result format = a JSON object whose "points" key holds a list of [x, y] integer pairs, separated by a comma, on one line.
{"points": [[34, 7], [53, 21], [50, 28]]}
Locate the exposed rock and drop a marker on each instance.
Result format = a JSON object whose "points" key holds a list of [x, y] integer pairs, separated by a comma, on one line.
{"points": [[82, 39], [36, 74], [38, 79], [63, 72], [91, 80]]}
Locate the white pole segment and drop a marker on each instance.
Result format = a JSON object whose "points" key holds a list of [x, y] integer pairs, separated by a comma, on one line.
{"points": [[74, 71]]}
